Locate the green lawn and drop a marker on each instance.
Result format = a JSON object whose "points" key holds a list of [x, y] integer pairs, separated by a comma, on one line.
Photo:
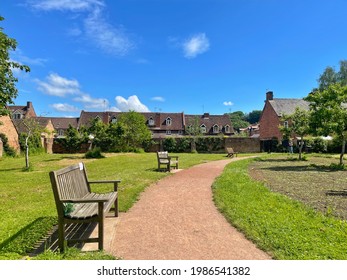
{"points": [[285, 227], [27, 204]]}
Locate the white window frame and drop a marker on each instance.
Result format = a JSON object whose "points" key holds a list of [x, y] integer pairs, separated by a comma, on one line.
{"points": [[203, 128], [114, 120], [227, 128], [150, 121], [168, 132], [168, 121], [216, 128]]}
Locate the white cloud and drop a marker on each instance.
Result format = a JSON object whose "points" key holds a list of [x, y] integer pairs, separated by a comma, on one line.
{"points": [[131, 104], [97, 29], [228, 103], [110, 39], [92, 103], [64, 107], [58, 86], [195, 45], [158, 98], [21, 58], [65, 5]]}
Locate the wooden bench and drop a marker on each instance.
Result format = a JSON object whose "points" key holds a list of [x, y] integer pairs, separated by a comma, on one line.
{"points": [[167, 161], [77, 204], [230, 152]]}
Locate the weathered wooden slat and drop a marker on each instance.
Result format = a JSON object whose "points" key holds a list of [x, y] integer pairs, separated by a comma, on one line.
{"points": [[71, 186]]}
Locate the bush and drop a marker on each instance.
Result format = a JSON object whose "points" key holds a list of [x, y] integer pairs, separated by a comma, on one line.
{"points": [[94, 153], [9, 151]]}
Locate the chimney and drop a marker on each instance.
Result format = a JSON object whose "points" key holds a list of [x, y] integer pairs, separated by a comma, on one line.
{"points": [[29, 105], [269, 95], [206, 115]]}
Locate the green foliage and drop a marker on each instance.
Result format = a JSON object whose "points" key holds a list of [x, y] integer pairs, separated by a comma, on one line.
{"points": [[9, 151], [330, 76], [73, 139], [34, 143], [8, 90], [134, 130], [253, 117], [94, 153], [328, 112], [169, 144], [238, 120]]}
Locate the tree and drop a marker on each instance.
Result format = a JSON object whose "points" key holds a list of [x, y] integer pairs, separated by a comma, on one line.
{"points": [[253, 117], [298, 124], [330, 76], [8, 90], [134, 130], [238, 119], [329, 113], [74, 139], [194, 130], [31, 129]]}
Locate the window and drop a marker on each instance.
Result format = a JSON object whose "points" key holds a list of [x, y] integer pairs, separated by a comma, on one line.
{"points": [[227, 129], [168, 132], [17, 116], [168, 121], [203, 128], [216, 128], [61, 132], [151, 121], [285, 124], [114, 120]]}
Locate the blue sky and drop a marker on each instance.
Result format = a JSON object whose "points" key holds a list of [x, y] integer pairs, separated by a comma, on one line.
{"points": [[189, 56]]}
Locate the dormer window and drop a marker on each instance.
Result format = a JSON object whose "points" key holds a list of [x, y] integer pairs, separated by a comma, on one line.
{"points": [[150, 121], [203, 128], [216, 128], [168, 121], [17, 116], [227, 129], [98, 118]]}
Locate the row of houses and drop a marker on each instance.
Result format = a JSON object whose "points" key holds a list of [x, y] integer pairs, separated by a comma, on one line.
{"points": [[160, 124]]}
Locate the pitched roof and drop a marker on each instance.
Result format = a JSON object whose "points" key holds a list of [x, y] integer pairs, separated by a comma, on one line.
{"points": [[286, 106], [210, 120], [63, 123], [23, 109]]}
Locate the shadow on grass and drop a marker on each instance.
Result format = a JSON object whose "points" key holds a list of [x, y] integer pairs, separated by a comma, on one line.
{"points": [[41, 235], [11, 169], [336, 193], [308, 168]]}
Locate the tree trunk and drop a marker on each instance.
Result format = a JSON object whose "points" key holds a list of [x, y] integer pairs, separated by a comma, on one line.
{"points": [[343, 150], [193, 145], [300, 147], [26, 152]]}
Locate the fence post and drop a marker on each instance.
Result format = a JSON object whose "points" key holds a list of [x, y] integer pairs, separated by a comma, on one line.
{"points": [[1, 148]]}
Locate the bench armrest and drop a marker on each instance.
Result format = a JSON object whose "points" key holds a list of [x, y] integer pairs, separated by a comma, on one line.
{"points": [[86, 200], [170, 157], [114, 182]]}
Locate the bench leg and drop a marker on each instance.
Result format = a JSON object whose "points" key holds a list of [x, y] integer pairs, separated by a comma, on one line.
{"points": [[101, 226], [61, 235]]}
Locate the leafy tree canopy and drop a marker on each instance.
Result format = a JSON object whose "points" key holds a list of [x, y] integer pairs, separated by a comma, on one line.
{"points": [[8, 90]]}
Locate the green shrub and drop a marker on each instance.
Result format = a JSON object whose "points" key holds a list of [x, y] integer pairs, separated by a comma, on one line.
{"points": [[94, 153], [9, 151]]}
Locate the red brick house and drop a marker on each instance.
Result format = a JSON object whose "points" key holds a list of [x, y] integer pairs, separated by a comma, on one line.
{"points": [[273, 111], [20, 112], [211, 124], [168, 124], [8, 128]]}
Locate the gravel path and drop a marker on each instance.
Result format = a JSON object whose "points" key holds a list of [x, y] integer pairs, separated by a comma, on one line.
{"points": [[176, 219]]}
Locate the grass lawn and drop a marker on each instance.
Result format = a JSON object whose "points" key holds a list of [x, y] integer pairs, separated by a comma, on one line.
{"points": [[27, 206], [277, 211]]}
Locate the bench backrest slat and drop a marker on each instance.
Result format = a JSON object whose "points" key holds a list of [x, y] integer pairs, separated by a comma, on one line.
{"points": [[162, 155], [67, 183]]}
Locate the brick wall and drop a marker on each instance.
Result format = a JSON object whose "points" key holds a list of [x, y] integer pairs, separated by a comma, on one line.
{"points": [[10, 131], [269, 123], [1, 148], [243, 144]]}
